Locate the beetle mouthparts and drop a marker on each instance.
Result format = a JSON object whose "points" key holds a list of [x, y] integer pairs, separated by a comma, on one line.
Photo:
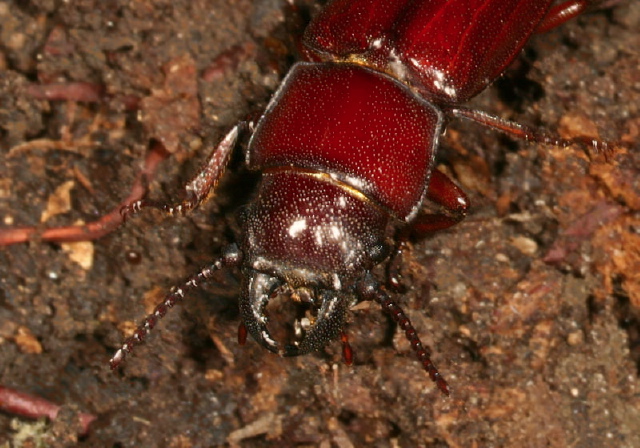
{"points": [[260, 289]]}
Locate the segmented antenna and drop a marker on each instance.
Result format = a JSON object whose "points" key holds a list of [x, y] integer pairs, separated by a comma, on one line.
{"points": [[370, 289], [231, 257], [423, 353]]}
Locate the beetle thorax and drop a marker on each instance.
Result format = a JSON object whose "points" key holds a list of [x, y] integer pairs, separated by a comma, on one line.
{"points": [[310, 231]]}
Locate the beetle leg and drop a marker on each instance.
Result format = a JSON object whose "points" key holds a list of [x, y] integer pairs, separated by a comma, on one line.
{"points": [[347, 351], [567, 10], [443, 192], [242, 334], [231, 257], [200, 185], [561, 13], [527, 133], [32, 406]]}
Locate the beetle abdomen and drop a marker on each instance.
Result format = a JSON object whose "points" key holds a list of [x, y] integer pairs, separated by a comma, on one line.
{"points": [[449, 50]]}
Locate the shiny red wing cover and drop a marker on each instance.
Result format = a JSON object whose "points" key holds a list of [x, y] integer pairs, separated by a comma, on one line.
{"points": [[448, 49]]}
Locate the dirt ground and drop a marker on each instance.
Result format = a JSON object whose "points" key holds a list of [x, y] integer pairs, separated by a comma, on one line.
{"points": [[531, 305]]}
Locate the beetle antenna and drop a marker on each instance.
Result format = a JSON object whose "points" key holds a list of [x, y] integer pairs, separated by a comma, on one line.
{"points": [[231, 257], [422, 352], [370, 290]]}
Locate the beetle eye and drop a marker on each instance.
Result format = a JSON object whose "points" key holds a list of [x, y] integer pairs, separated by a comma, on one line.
{"points": [[243, 214], [379, 252]]}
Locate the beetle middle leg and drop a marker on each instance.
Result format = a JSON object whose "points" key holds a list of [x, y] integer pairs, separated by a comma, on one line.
{"points": [[562, 13], [530, 134], [443, 192], [567, 10]]}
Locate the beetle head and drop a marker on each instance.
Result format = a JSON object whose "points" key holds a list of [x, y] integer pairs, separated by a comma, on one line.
{"points": [[308, 238]]}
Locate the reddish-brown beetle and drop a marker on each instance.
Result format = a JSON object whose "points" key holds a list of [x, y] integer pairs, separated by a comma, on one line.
{"points": [[346, 150]]}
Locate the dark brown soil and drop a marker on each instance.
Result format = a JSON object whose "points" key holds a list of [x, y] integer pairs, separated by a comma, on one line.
{"points": [[531, 305]]}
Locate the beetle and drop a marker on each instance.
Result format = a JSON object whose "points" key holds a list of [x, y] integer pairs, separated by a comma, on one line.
{"points": [[346, 150]]}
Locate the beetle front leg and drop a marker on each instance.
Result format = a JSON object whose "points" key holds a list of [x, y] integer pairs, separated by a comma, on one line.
{"points": [[200, 185], [443, 192]]}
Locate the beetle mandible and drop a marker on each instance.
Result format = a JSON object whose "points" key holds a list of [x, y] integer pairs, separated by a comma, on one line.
{"points": [[346, 149]]}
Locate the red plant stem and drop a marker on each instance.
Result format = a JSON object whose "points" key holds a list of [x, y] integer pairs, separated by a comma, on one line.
{"points": [[95, 229], [227, 61], [30, 406], [84, 92], [69, 91]]}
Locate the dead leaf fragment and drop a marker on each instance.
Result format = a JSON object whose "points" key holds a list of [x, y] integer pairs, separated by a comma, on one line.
{"points": [[59, 201], [80, 252], [27, 342]]}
